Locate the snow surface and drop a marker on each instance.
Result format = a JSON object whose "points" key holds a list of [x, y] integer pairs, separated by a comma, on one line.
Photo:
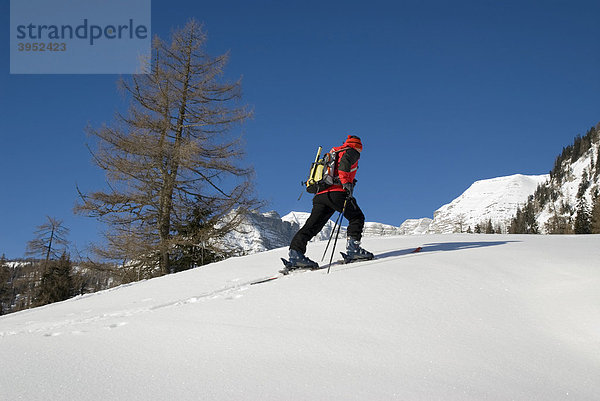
{"points": [[494, 199], [471, 317]]}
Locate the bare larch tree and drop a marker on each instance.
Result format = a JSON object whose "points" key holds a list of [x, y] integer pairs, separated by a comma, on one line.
{"points": [[173, 164], [50, 240]]}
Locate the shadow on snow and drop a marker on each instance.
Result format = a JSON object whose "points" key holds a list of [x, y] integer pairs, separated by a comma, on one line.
{"points": [[443, 246]]}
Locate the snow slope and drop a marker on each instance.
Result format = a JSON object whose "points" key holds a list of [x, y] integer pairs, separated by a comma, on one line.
{"points": [[471, 317], [494, 199]]}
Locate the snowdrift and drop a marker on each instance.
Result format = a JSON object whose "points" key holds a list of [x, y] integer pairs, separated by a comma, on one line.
{"points": [[468, 318]]}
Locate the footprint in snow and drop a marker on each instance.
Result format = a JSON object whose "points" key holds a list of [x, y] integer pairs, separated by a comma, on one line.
{"points": [[115, 325]]}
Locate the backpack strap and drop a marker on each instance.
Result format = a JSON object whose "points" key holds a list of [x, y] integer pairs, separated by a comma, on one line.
{"points": [[335, 174]]}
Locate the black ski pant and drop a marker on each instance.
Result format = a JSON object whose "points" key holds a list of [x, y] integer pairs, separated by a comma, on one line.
{"points": [[324, 206]]}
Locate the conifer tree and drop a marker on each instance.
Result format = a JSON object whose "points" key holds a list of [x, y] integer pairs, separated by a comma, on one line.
{"points": [[595, 215], [56, 284], [198, 250], [584, 185], [525, 221], [5, 286], [558, 224], [531, 225], [577, 149], [173, 154], [597, 172], [513, 228], [583, 223]]}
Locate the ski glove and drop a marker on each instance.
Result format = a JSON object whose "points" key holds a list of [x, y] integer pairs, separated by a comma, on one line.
{"points": [[349, 188]]}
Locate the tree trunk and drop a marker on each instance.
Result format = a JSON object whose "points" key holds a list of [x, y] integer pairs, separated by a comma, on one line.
{"points": [[170, 175]]}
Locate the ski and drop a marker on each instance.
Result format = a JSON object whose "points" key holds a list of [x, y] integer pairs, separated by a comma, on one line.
{"points": [[346, 259], [266, 279], [287, 269]]}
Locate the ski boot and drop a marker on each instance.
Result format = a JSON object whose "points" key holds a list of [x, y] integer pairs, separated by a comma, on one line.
{"points": [[298, 261], [355, 252]]}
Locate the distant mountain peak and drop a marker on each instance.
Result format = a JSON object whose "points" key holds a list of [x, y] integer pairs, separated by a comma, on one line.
{"points": [[495, 199]]}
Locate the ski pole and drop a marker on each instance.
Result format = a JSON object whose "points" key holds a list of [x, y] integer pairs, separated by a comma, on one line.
{"points": [[336, 237], [331, 235]]}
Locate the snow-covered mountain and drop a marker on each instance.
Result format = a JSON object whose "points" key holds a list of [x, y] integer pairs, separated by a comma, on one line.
{"points": [[469, 318], [260, 232], [371, 229], [552, 201], [415, 226], [576, 182], [299, 218], [569, 201], [494, 199], [264, 231]]}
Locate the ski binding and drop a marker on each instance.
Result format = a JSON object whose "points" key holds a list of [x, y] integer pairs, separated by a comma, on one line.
{"points": [[347, 259], [289, 268]]}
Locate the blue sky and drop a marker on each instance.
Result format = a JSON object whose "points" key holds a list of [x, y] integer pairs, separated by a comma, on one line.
{"points": [[442, 94]]}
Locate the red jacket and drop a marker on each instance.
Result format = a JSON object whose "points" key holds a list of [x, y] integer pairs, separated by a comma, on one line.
{"points": [[347, 164]]}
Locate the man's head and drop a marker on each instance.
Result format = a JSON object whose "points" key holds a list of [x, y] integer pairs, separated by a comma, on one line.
{"points": [[354, 142]]}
